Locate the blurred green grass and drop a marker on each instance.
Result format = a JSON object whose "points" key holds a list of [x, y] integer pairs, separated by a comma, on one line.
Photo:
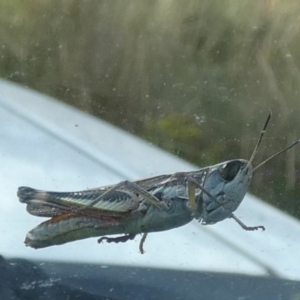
{"points": [[197, 78]]}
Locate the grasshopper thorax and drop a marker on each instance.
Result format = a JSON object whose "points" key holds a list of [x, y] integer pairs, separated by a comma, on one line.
{"points": [[227, 184]]}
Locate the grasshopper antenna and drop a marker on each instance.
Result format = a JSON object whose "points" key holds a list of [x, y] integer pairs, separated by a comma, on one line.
{"points": [[260, 139], [274, 155]]}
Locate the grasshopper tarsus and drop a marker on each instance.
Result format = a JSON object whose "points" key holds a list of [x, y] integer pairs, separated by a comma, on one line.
{"points": [[119, 239], [253, 228]]}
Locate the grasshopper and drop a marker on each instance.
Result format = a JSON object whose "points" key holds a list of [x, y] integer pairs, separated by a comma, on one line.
{"points": [[164, 202]]}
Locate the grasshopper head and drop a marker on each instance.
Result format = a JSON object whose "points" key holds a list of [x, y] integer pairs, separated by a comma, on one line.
{"points": [[227, 182]]}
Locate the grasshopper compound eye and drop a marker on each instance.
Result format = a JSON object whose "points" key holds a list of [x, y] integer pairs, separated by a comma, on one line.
{"points": [[229, 170]]}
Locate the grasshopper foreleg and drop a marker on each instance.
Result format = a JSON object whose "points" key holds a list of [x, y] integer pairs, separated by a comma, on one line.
{"points": [[244, 226], [192, 183]]}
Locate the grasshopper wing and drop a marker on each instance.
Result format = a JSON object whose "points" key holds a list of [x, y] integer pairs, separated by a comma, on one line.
{"points": [[50, 204]]}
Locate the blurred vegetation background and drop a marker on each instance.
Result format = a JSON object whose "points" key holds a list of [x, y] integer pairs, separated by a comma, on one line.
{"points": [[197, 78]]}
